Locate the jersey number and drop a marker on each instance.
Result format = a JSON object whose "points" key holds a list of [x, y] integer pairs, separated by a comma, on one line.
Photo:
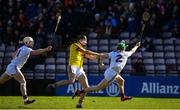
{"points": [[119, 58]]}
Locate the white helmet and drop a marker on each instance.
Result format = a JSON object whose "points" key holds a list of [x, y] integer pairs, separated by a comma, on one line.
{"points": [[26, 40]]}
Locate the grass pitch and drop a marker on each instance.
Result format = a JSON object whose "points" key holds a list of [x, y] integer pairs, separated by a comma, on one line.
{"points": [[65, 102]]}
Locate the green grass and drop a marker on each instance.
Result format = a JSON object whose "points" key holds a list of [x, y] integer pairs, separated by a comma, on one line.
{"points": [[43, 102]]}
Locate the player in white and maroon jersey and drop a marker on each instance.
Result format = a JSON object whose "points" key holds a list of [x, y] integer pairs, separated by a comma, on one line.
{"points": [[20, 57], [118, 61]]}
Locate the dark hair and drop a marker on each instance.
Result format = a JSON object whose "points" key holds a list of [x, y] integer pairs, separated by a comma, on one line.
{"points": [[81, 37]]}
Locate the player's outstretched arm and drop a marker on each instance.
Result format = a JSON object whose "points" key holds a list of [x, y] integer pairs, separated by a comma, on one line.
{"points": [[40, 51], [90, 57], [135, 48], [85, 51], [102, 56]]}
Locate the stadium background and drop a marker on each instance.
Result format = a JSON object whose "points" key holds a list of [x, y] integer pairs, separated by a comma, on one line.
{"points": [[105, 22]]}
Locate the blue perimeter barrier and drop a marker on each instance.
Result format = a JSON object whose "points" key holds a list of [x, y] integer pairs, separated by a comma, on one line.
{"points": [[139, 86]]}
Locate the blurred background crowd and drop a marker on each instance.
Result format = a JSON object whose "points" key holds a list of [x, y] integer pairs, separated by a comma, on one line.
{"points": [[106, 18], [99, 19]]}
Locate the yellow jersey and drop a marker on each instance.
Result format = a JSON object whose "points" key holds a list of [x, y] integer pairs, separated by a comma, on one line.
{"points": [[76, 57]]}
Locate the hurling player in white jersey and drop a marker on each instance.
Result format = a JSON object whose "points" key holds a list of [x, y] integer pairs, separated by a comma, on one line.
{"points": [[118, 61], [19, 59]]}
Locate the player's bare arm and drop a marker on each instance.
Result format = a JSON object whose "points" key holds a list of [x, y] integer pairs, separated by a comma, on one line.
{"points": [[85, 51], [40, 51], [90, 57], [135, 47], [103, 56]]}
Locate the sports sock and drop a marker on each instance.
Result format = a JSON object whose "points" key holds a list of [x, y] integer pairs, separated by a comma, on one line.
{"points": [[122, 95], [78, 104], [82, 91], [25, 98]]}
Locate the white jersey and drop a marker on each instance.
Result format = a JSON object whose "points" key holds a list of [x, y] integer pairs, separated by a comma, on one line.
{"points": [[21, 57], [119, 59]]}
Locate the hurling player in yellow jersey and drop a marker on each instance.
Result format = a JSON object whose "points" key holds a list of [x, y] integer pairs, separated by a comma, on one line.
{"points": [[75, 67]]}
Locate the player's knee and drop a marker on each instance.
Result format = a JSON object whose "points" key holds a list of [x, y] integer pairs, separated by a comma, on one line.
{"points": [[122, 81], [86, 87], [23, 83]]}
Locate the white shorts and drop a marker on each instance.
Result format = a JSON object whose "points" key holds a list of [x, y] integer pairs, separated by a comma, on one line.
{"points": [[76, 70], [11, 70], [110, 74]]}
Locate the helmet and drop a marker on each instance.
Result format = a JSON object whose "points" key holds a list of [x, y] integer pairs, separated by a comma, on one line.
{"points": [[26, 40], [122, 45]]}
